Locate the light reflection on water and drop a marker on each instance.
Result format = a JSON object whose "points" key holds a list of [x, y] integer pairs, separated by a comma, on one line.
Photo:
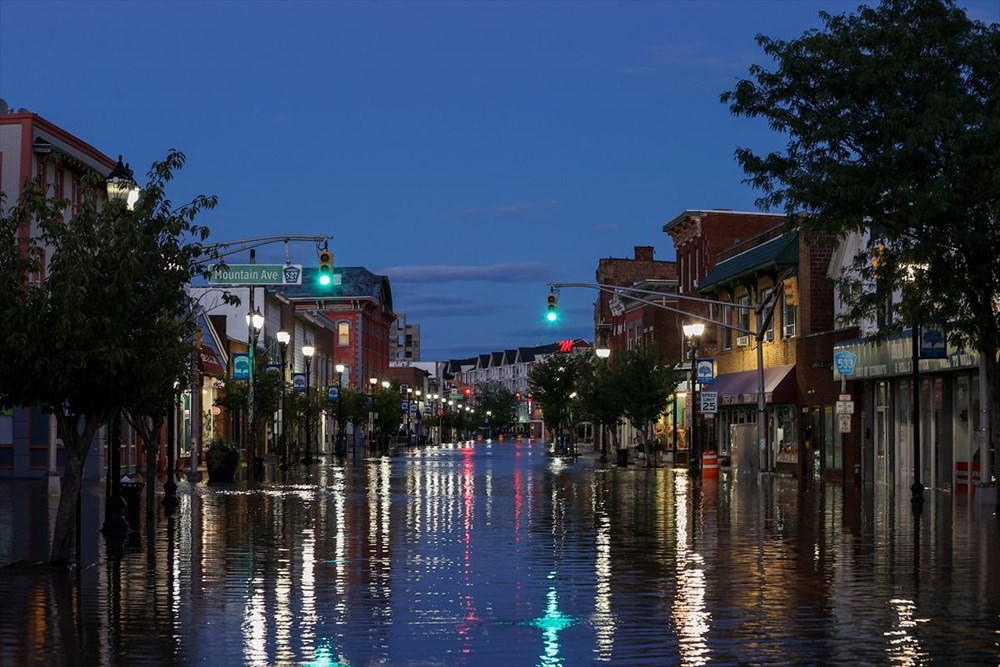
{"points": [[499, 554]]}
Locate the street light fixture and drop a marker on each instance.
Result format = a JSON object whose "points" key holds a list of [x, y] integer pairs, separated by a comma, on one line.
{"points": [[283, 339], [693, 333], [307, 354], [255, 322], [121, 185]]}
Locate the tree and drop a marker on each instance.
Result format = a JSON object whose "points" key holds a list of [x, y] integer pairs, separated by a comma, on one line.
{"points": [[637, 387], [499, 401], [80, 342], [388, 414], [893, 134], [551, 383]]}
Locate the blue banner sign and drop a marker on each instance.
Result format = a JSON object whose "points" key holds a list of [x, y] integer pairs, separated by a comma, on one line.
{"points": [[241, 366], [299, 382], [332, 393], [705, 371]]}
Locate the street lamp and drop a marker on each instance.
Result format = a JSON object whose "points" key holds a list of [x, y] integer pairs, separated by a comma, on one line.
{"points": [[341, 448], [121, 185], [693, 334], [283, 339], [307, 353], [255, 322], [419, 417]]}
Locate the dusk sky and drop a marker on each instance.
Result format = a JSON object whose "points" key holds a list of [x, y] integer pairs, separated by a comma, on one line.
{"points": [[473, 152]]}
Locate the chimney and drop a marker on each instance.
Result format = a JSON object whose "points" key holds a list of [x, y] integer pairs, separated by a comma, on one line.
{"points": [[644, 253]]}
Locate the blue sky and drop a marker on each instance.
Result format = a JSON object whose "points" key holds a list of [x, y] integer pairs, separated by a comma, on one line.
{"points": [[473, 152]]}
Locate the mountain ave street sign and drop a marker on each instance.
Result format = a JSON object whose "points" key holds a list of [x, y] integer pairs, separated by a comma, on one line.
{"points": [[256, 274]]}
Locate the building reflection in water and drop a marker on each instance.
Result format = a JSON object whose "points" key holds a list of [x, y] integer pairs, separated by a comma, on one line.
{"points": [[603, 618]]}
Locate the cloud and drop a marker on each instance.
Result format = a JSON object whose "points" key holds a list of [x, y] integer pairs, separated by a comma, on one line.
{"points": [[687, 56], [521, 272], [509, 210]]}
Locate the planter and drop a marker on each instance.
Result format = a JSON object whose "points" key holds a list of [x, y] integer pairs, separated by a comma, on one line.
{"points": [[222, 465]]}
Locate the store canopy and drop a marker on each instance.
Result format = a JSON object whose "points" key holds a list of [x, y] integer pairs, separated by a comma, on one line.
{"points": [[211, 360], [209, 364], [741, 388]]}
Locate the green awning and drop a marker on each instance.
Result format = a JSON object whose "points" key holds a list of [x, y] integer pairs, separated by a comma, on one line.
{"points": [[779, 252]]}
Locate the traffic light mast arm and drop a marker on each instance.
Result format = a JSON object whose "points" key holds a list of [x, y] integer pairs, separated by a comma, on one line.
{"points": [[226, 248], [618, 289]]}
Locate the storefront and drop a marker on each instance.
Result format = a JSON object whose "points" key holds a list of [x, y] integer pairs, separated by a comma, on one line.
{"points": [[737, 434], [952, 440]]}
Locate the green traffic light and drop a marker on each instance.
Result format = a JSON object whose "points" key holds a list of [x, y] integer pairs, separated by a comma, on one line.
{"points": [[551, 316], [324, 279]]}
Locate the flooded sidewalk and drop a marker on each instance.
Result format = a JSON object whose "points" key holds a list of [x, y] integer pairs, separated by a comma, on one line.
{"points": [[499, 554]]}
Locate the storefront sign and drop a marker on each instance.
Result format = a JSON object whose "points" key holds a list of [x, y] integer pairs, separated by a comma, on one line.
{"points": [[894, 357]]}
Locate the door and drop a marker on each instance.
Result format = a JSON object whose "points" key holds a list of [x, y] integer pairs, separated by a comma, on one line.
{"points": [[882, 440]]}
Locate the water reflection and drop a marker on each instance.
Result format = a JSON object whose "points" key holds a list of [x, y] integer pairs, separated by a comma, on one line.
{"points": [[499, 554]]}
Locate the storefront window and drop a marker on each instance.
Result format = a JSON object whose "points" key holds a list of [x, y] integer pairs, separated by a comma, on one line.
{"points": [[833, 450], [785, 433]]}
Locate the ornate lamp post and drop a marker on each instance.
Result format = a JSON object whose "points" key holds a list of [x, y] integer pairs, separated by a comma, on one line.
{"points": [[341, 448], [418, 417], [371, 412], [255, 322], [307, 353], [693, 333], [283, 339]]}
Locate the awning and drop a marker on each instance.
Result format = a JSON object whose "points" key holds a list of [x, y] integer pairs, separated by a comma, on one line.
{"points": [[209, 364], [741, 388]]}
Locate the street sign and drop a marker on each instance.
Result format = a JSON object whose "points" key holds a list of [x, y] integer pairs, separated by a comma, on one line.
{"points": [[710, 402], [844, 423], [256, 274], [845, 407], [845, 361], [705, 371], [845, 397]]}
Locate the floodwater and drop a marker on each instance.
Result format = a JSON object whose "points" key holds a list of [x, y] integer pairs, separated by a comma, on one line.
{"points": [[497, 554]]}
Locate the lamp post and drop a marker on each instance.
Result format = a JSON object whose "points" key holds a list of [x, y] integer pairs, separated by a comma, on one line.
{"points": [[693, 333], [255, 322], [341, 447], [170, 486], [307, 353], [603, 353], [419, 417], [283, 339], [371, 413]]}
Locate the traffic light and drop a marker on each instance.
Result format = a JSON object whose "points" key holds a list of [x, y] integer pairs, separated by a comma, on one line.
{"points": [[467, 391], [791, 288], [325, 267], [552, 307]]}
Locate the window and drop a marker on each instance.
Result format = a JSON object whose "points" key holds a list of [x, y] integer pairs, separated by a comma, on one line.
{"points": [[769, 332], [343, 333], [743, 321], [787, 319], [727, 333]]}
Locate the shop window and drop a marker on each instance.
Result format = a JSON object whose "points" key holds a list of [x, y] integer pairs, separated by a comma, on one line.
{"points": [[785, 433]]}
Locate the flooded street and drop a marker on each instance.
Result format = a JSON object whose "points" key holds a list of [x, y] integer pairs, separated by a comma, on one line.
{"points": [[497, 554]]}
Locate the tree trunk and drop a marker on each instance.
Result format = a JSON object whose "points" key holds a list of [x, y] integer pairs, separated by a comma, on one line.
{"points": [[63, 535], [992, 403]]}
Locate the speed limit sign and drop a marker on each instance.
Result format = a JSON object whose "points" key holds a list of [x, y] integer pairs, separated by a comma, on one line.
{"points": [[710, 402]]}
